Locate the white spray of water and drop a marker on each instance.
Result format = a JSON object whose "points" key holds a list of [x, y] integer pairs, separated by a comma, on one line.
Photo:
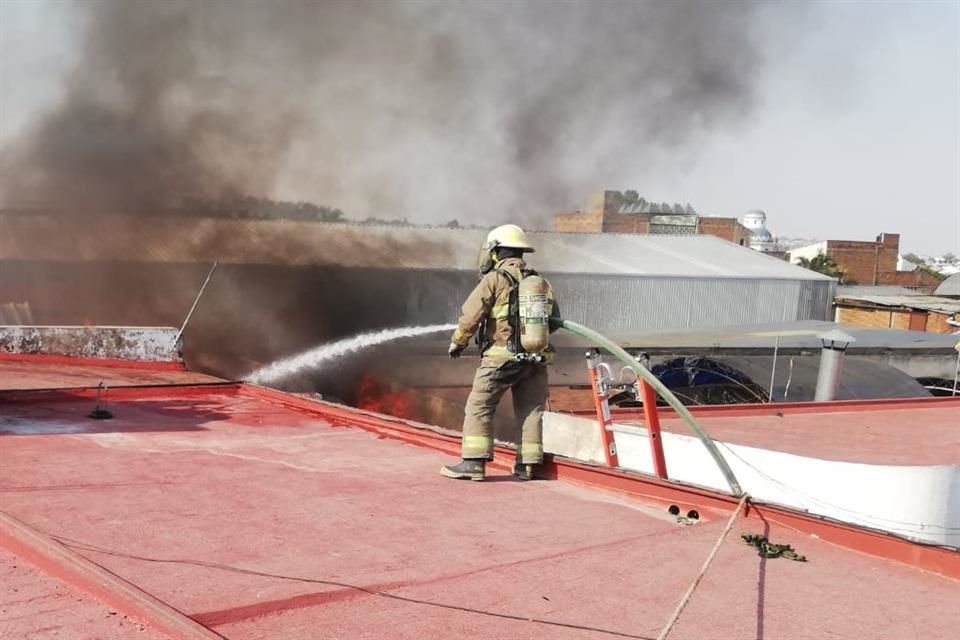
{"points": [[318, 356]]}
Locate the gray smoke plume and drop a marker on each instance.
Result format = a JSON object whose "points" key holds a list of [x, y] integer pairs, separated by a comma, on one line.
{"points": [[432, 110]]}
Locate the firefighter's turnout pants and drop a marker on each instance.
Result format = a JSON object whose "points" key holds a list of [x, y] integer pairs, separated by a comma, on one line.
{"points": [[529, 384]]}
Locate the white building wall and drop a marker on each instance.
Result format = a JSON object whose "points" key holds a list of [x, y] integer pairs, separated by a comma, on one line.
{"points": [[809, 251], [146, 344], [905, 265]]}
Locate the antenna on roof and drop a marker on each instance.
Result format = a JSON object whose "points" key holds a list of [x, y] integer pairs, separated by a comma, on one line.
{"points": [[195, 302], [956, 373]]}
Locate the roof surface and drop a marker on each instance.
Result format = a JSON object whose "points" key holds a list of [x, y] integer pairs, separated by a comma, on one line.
{"points": [[792, 335], [927, 303], [185, 239], [52, 373], [950, 286], [873, 290], [871, 433], [261, 521], [680, 255], [36, 605]]}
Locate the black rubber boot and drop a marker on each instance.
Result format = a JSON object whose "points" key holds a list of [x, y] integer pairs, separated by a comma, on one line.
{"points": [[524, 472], [467, 470]]}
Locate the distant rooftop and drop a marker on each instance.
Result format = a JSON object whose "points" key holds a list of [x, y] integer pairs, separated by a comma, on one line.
{"points": [[950, 286], [164, 239], [874, 290], [927, 303], [792, 335]]}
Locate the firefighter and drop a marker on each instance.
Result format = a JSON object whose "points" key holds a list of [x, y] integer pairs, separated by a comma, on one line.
{"points": [[512, 313]]}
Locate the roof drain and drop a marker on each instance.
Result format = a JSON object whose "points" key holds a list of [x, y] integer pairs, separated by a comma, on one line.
{"points": [[101, 413], [616, 351]]}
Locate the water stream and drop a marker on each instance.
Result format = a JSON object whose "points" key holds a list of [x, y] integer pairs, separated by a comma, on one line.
{"points": [[316, 358]]}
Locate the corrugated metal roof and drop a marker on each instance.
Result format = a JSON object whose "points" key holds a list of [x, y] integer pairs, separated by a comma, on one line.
{"points": [[612, 304], [926, 303], [950, 286], [795, 335], [185, 239], [658, 255], [874, 290]]}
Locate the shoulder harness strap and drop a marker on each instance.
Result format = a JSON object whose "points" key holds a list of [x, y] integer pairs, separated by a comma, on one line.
{"points": [[513, 310]]}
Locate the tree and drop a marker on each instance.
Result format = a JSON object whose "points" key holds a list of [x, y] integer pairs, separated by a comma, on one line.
{"points": [[822, 263], [949, 257], [914, 258], [246, 207], [930, 270]]}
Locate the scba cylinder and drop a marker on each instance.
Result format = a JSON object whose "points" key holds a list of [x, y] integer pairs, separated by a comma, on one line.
{"points": [[535, 302]]}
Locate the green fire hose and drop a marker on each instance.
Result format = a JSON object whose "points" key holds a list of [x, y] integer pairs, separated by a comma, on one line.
{"points": [[664, 393]]}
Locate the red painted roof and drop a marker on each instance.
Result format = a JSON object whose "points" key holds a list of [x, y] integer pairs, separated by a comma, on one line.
{"points": [[36, 605], [920, 431], [58, 372], [259, 518]]}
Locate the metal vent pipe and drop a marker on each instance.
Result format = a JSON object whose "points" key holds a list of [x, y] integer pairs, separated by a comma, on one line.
{"points": [[835, 343]]}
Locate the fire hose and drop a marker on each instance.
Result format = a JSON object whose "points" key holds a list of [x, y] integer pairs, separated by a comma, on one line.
{"points": [[618, 352]]}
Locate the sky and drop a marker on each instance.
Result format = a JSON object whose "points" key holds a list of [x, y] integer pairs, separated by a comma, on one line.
{"points": [[855, 128], [858, 134]]}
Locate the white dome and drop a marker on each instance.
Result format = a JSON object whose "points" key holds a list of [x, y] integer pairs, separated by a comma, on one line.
{"points": [[755, 219], [761, 239]]}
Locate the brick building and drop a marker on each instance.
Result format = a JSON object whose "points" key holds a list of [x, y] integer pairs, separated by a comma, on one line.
{"points": [[932, 314], [619, 212], [869, 263], [918, 279], [729, 229]]}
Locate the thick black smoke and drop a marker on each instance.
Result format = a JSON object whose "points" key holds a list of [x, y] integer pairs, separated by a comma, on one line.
{"points": [[482, 111], [426, 109]]}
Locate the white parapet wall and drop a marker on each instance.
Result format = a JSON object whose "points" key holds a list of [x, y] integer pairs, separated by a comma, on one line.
{"points": [[918, 502], [144, 344], [809, 252]]}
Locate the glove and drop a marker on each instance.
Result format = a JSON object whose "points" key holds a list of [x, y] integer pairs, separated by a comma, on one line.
{"points": [[456, 349]]}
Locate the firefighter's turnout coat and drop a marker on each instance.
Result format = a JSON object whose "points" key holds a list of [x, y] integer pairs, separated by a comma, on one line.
{"points": [[490, 313]]}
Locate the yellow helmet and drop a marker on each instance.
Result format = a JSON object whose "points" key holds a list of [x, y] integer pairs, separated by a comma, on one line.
{"points": [[510, 236]]}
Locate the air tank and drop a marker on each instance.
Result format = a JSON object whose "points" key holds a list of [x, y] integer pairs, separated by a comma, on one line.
{"points": [[536, 302]]}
